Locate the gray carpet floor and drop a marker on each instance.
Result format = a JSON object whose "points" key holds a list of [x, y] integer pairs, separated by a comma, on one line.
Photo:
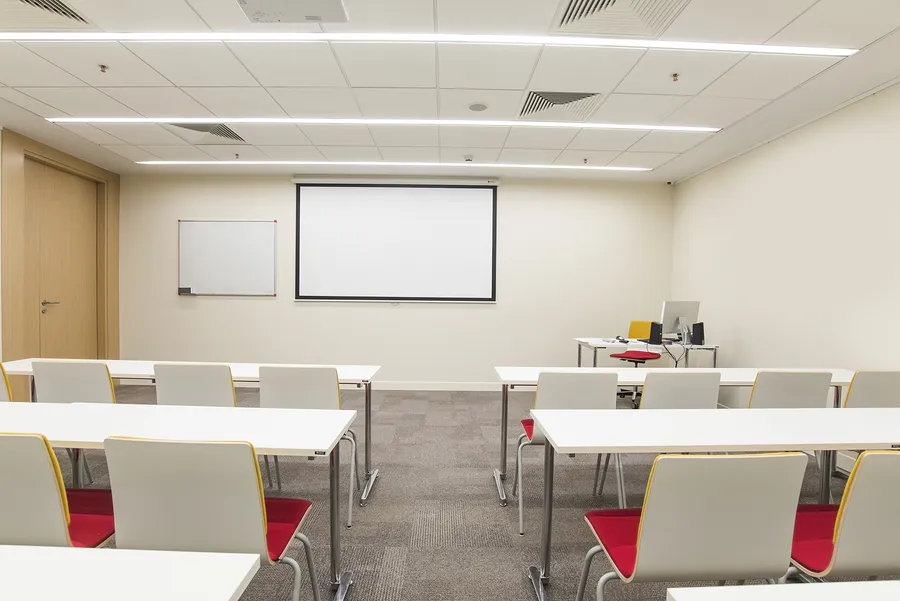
{"points": [[433, 528]]}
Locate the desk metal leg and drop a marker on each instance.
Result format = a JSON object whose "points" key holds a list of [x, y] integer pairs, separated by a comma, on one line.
{"points": [[33, 391], [828, 461], [715, 356], [78, 469], [500, 475], [595, 357], [540, 575], [340, 581], [371, 474], [579, 355], [687, 357]]}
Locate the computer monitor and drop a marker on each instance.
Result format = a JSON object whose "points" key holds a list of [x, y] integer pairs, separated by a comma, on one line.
{"points": [[678, 314]]}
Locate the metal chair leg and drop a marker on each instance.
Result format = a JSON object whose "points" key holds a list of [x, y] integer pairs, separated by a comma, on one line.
{"points": [[355, 458], [87, 468], [603, 477], [602, 583], [522, 436], [596, 474], [268, 470], [277, 473], [585, 568], [352, 442], [313, 582], [519, 472], [792, 571]]}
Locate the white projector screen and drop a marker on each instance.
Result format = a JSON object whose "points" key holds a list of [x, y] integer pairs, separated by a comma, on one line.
{"points": [[396, 243]]}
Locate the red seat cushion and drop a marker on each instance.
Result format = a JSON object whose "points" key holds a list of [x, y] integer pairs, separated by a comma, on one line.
{"points": [[91, 516], [283, 516], [814, 536], [617, 531], [636, 356], [528, 426]]}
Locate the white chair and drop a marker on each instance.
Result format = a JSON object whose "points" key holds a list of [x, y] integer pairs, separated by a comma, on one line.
{"points": [[299, 387], [705, 517], [790, 390], [194, 384], [5, 389], [684, 389], [566, 390], [202, 497], [874, 389]]}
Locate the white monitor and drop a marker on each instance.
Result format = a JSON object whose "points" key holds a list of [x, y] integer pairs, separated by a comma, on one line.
{"points": [[678, 314]]}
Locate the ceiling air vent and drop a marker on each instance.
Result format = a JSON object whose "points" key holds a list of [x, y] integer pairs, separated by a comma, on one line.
{"points": [[560, 105], [578, 9], [620, 18], [55, 6], [210, 133]]}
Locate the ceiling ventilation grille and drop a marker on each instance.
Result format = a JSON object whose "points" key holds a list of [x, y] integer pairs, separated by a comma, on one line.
{"points": [[619, 18], [212, 131], [55, 6], [42, 15], [560, 105]]}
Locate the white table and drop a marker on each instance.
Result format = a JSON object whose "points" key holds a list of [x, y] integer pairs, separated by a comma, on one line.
{"points": [[882, 590], [511, 377], [51, 573], [351, 375], [297, 432], [703, 430], [611, 344]]}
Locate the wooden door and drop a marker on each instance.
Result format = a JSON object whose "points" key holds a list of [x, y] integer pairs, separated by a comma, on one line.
{"points": [[63, 211]]}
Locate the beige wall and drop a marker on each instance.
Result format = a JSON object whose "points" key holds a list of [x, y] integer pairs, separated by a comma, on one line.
{"points": [[573, 259]]}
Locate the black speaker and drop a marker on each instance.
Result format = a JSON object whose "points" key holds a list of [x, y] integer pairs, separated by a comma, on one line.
{"points": [[655, 332], [698, 335]]}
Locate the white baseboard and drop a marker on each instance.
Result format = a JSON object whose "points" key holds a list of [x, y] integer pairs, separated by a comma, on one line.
{"points": [[382, 385]]}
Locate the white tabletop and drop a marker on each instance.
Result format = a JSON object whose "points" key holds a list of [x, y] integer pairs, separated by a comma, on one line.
{"points": [[630, 376], [882, 590], [299, 432], [704, 430], [51, 573], [241, 372], [615, 344]]}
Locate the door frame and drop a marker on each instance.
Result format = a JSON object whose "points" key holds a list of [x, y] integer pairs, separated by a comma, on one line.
{"points": [[19, 291]]}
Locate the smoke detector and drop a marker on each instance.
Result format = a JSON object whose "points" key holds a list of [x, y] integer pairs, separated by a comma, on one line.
{"points": [[294, 11]]}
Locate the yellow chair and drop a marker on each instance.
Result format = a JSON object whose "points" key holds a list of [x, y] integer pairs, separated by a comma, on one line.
{"points": [[639, 329]]}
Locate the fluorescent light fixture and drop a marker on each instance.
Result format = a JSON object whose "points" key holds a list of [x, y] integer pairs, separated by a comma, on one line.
{"points": [[401, 122], [399, 164], [448, 38]]}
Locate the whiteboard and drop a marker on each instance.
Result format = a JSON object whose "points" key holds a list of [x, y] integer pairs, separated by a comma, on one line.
{"points": [[226, 258], [396, 243]]}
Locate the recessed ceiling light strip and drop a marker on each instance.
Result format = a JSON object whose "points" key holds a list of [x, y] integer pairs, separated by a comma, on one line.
{"points": [[399, 164]]}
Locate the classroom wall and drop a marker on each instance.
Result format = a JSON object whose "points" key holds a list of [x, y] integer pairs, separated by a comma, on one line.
{"points": [[577, 259]]}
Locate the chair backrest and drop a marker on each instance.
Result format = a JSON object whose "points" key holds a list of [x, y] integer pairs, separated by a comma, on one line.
{"points": [[719, 517], [682, 390], [73, 382], [33, 507], [639, 329], [572, 390], [206, 385], [290, 387], [874, 389], [5, 389], [790, 390], [867, 531], [187, 496]]}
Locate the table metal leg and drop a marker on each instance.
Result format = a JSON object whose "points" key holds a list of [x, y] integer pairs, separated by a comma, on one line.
{"points": [[687, 357], [620, 482], [340, 581], [715, 356], [32, 390], [540, 575], [579, 355], [828, 462], [371, 474], [595, 357], [500, 474], [78, 469]]}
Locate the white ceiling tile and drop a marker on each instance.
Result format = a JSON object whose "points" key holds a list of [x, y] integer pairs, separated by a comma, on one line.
{"points": [[415, 154], [646, 109], [30, 104], [714, 112], [597, 158], [233, 152], [491, 67], [842, 24], [83, 60], [502, 104], [142, 134], [768, 76], [316, 102], [132, 153], [528, 156], [605, 139], [237, 102], [182, 152], [735, 21], [350, 153], [474, 137], [274, 134], [648, 160], [290, 64], [582, 69], [384, 65], [540, 137], [495, 16], [89, 132], [292, 153], [667, 141], [81, 102], [194, 64], [404, 135], [158, 102], [477, 155], [21, 67], [140, 15], [338, 135], [696, 70], [397, 103], [414, 16]]}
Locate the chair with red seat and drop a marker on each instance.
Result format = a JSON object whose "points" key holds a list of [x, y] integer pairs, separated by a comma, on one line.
{"points": [[861, 536], [633, 354], [36, 509], [563, 390], [205, 497], [717, 517]]}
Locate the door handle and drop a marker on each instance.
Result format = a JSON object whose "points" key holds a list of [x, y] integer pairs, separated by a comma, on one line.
{"points": [[44, 304]]}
